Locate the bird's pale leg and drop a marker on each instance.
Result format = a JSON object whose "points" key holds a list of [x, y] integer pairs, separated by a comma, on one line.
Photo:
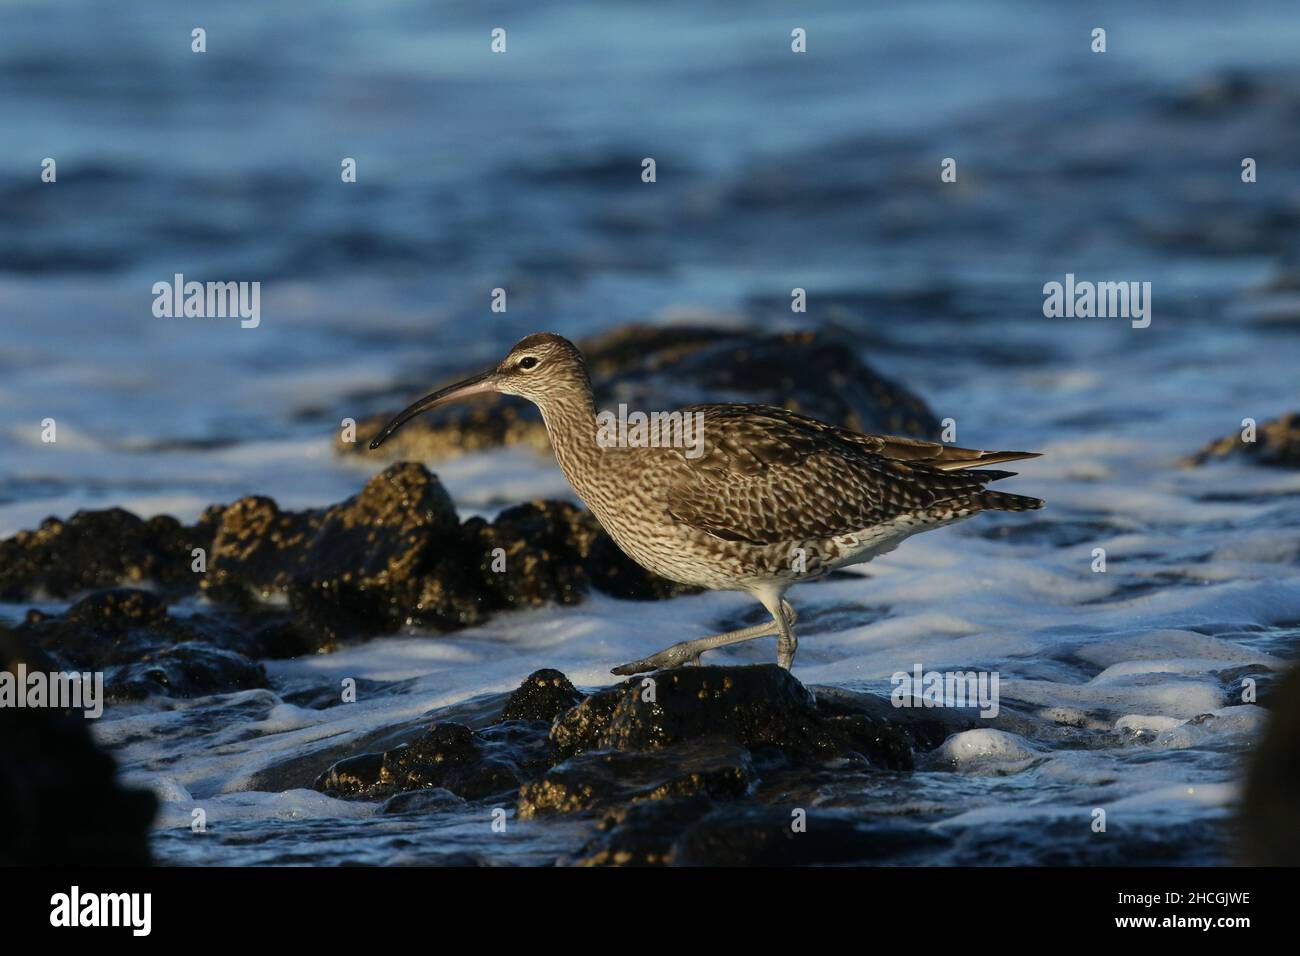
{"points": [[786, 642], [688, 652]]}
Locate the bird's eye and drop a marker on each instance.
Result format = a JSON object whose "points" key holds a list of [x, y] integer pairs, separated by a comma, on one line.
{"points": [[527, 362]]}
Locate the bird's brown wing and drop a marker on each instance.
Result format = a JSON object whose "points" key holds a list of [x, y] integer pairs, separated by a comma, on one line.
{"points": [[768, 476]]}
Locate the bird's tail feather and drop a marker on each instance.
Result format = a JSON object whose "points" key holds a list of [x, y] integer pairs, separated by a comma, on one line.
{"points": [[946, 457], [1002, 501], [959, 459]]}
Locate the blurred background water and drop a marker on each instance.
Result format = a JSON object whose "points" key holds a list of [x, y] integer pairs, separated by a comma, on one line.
{"points": [[775, 170]]}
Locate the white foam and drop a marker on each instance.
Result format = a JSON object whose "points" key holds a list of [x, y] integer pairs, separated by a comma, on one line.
{"points": [[986, 751], [1245, 721], [1144, 723]]}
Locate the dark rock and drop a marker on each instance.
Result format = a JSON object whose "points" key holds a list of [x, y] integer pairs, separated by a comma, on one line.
{"points": [[377, 560], [351, 776], [116, 611], [51, 774], [445, 748], [267, 633], [1277, 443], [586, 726], [761, 706], [766, 836], [653, 367], [422, 801], [100, 549], [927, 727], [257, 549], [716, 769], [192, 669], [642, 834], [544, 695], [470, 764], [884, 744], [141, 649], [543, 545]]}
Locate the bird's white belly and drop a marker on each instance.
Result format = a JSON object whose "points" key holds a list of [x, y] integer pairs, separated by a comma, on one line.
{"points": [[861, 546]]}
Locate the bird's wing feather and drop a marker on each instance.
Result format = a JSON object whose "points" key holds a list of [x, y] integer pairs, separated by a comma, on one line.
{"points": [[767, 475]]}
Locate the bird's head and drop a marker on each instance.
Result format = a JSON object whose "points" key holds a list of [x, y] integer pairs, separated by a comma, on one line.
{"points": [[544, 368]]}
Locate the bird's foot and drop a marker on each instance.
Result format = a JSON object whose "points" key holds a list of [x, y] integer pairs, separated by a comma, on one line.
{"points": [[689, 652], [685, 652]]}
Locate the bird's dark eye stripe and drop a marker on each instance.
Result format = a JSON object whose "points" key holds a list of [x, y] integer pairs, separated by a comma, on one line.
{"points": [[527, 361]]}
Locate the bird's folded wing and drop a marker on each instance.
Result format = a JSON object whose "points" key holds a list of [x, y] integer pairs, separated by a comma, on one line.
{"points": [[768, 476]]}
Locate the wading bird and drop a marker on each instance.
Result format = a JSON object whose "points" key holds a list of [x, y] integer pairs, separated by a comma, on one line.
{"points": [[771, 499]]}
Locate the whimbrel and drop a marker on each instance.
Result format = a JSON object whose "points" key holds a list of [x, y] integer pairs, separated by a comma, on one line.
{"points": [[772, 498]]}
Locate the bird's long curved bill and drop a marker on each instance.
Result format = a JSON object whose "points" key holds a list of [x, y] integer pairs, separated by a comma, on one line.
{"points": [[471, 386]]}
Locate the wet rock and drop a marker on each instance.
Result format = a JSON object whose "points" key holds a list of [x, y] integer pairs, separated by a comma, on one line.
{"points": [[586, 726], [257, 548], [533, 554], [303, 769], [141, 649], [118, 610], [51, 773], [351, 776], [761, 706], [422, 801], [926, 727], [766, 836], [187, 670], [450, 756], [544, 695], [651, 367], [260, 632], [642, 834], [717, 769], [381, 558], [882, 743], [100, 549], [1277, 443], [444, 749], [720, 742]]}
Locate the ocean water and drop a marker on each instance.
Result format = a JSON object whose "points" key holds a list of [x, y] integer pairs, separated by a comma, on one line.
{"points": [[774, 171]]}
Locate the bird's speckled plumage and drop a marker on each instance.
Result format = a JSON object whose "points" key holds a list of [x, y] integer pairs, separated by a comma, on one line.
{"points": [[771, 498]]}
